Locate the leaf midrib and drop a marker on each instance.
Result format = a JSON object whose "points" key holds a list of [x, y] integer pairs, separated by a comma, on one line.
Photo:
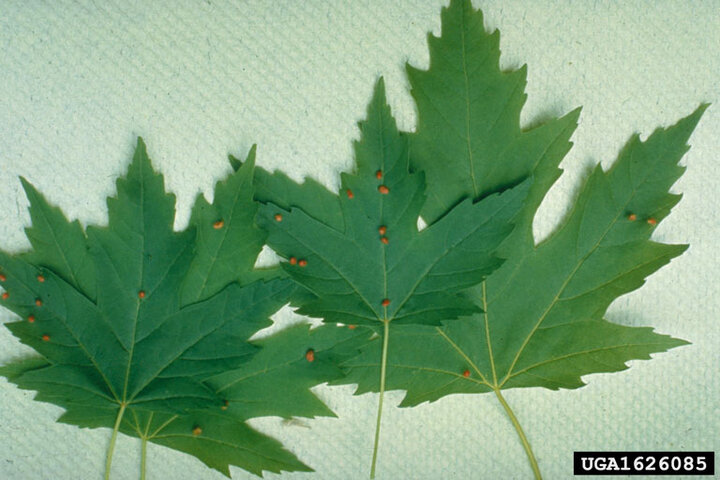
{"points": [[612, 223], [332, 265], [262, 372], [81, 345], [221, 244], [467, 105], [61, 251], [583, 352], [219, 442], [142, 273], [449, 250]]}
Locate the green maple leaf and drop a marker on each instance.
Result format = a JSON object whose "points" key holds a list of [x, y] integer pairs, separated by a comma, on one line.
{"points": [[543, 310], [360, 252], [134, 320], [275, 382]]}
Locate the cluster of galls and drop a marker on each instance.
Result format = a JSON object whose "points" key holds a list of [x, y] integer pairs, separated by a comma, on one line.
{"points": [[292, 260], [38, 302], [651, 221]]}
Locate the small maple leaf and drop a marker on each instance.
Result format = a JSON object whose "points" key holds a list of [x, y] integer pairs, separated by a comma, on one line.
{"points": [[543, 322], [360, 253], [134, 319]]}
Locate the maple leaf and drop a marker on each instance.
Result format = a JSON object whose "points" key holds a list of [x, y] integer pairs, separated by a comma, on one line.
{"points": [[132, 319], [362, 256], [274, 382], [543, 322]]}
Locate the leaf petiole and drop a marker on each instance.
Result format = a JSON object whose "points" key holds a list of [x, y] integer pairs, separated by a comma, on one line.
{"points": [[521, 434], [143, 447], [143, 458], [113, 439], [383, 365]]}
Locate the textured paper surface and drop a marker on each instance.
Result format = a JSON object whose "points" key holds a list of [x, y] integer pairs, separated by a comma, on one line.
{"points": [[201, 79]]}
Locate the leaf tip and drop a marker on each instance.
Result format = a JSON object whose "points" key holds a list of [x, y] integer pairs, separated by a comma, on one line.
{"points": [[32, 193], [379, 89], [574, 114], [251, 155], [690, 122], [26, 184]]}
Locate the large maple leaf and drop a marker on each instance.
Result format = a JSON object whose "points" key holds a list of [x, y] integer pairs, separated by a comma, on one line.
{"points": [[134, 320], [360, 252], [543, 322]]}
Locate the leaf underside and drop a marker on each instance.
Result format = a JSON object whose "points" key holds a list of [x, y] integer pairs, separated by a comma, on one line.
{"points": [[543, 321]]}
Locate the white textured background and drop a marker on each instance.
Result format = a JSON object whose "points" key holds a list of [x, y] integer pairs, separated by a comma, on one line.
{"points": [[199, 79]]}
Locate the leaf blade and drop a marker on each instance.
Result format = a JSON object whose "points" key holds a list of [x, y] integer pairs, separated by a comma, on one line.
{"points": [[600, 252], [227, 242], [379, 264]]}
